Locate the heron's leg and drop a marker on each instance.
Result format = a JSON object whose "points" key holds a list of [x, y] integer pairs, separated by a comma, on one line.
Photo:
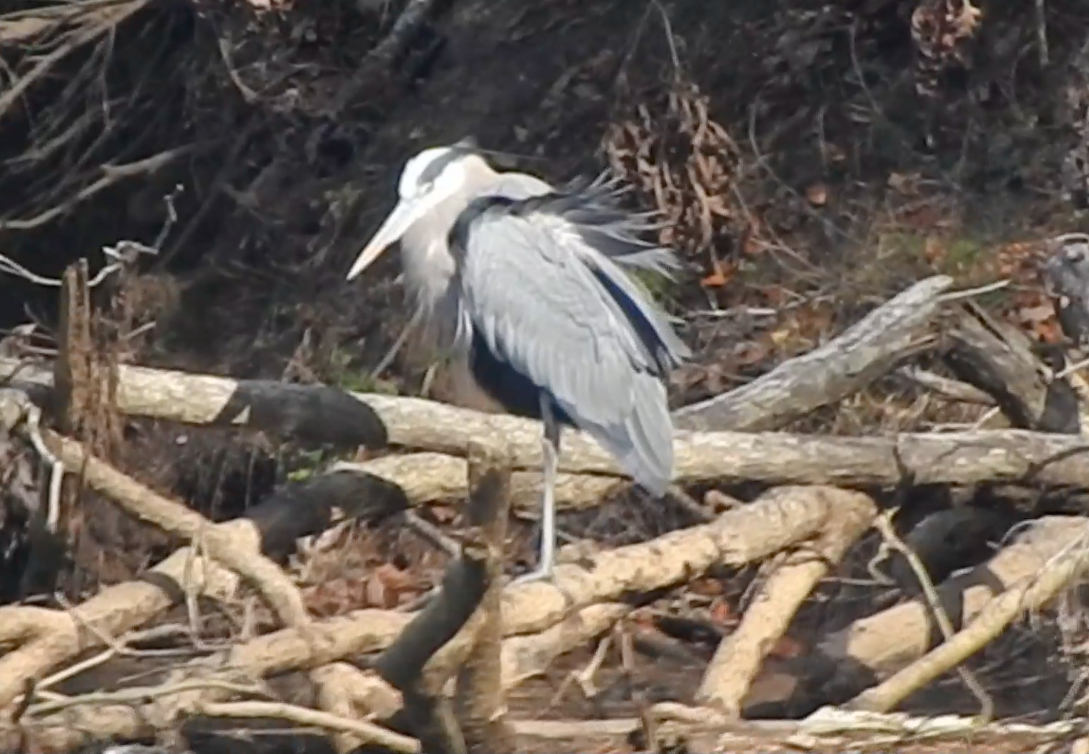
{"points": [[550, 449]]}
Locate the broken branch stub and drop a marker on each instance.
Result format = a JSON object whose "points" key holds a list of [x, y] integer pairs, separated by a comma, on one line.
{"points": [[478, 702]]}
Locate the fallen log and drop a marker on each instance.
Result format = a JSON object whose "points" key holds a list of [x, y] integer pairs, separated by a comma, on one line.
{"points": [[309, 413], [740, 656], [867, 350], [773, 458], [876, 647], [1029, 593], [426, 478], [567, 611], [222, 543]]}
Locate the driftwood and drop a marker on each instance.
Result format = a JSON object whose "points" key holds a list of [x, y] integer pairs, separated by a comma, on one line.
{"points": [[1030, 592], [311, 414], [51, 638], [778, 519], [740, 656], [827, 729], [998, 359], [435, 679], [228, 544], [957, 458], [949, 540], [869, 349], [423, 478], [742, 536], [945, 387], [876, 647]]}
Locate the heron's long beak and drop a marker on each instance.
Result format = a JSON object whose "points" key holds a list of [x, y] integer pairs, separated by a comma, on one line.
{"points": [[403, 216]]}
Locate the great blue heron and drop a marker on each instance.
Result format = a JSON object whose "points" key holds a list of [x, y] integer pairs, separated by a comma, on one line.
{"points": [[524, 283]]}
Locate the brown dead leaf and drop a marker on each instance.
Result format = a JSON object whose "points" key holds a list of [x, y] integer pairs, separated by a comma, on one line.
{"points": [[722, 614], [386, 585], [1048, 332], [933, 249], [444, 514], [775, 295], [394, 577], [817, 194], [723, 274]]}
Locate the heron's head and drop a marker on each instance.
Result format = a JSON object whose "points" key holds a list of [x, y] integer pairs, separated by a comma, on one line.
{"points": [[428, 179]]}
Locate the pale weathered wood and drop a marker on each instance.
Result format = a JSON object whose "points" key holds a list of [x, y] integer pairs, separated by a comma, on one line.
{"points": [[740, 656], [426, 478], [1029, 593], [865, 351], [307, 413], [271, 528], [774, 458], [880, 645], [776, 520]]}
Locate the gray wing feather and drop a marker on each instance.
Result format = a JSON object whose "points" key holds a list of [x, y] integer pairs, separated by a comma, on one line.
{"points": [[513, 185], [525, 290]]}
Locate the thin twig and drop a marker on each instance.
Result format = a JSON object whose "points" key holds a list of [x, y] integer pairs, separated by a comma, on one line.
{"points": [[972, 292], [310, 717], [883, 524], [111, 174]]}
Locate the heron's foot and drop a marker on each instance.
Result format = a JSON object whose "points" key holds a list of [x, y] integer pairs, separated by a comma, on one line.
{"points": [[541, 573]]}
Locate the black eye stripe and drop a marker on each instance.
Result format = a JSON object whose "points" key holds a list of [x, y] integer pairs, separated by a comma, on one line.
{"points": [[434, 168]]}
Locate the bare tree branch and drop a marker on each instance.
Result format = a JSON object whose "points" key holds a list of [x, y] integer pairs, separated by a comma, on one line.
{"points": [[865, 351]]}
